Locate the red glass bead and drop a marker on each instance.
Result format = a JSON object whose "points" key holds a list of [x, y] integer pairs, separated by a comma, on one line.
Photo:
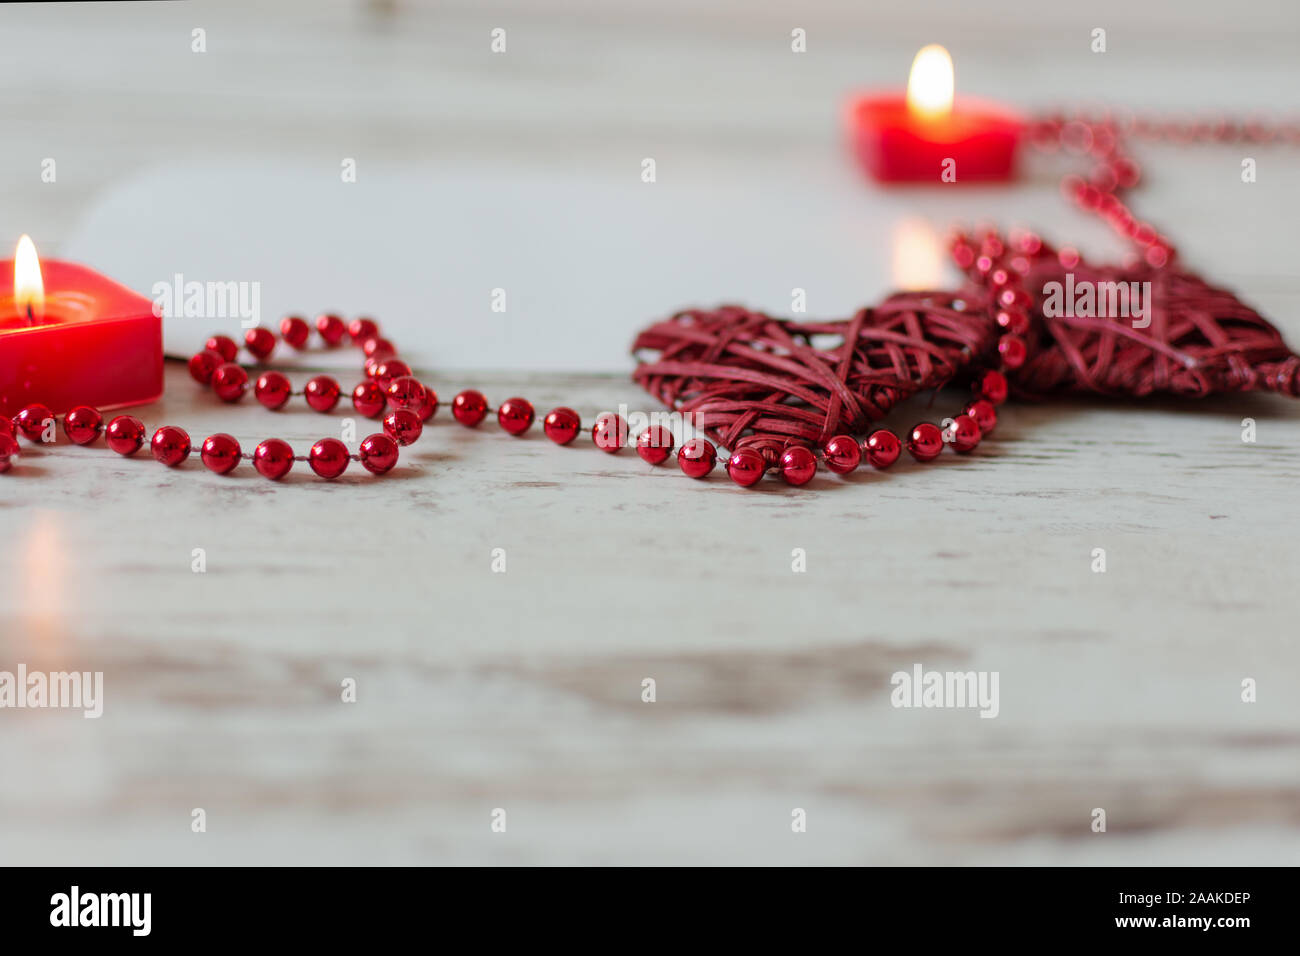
{"points": [[295, 330], [260, 341], [746, 466], [378, 347], [387, 369], [368, 399], [1013, 350], [1013, 298], [125, 434], [515, 415], [963, 255], [328, 458], [882, 448], [843, 454], [963, 433], [405, 391], [170, 445], [83, 424], [1157, 255], [469, 407], [429, 406], [697, 457], [992, 386], [273, 458], [1029, 242], [403, 426], [1104, 178], [203, 364], [331, 328], [31, 421], [224, 346], [992, 246], [798, 465], [230, 381], [220, 453], [361, 329], [562, 425], [7, 427], [609, 432], [378, 454], [1127, 173], [322, 393], [985, 415], [1013, 320], [655, 444], [8, 451], [925, 442], [272, 390]]}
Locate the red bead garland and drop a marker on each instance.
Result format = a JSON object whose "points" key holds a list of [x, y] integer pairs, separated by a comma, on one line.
{"points": [[368, 399], [31, 421], [329, 457], [273, 458], [963, 434], [272, 390], [83, 424], [562, 425], [925, 441], [609, 433], [331, 328], [406, 392], [403, 426], [655, 444], [697, 457], [9, 450], [170, 445], [515, 415], [378, 454], [322, 393], [220, 453], [125, 434], [746, 467], [843, 454], [469, 407], [392, 392], [798, 465], [294, 330], [230, 381], [882, 448]]}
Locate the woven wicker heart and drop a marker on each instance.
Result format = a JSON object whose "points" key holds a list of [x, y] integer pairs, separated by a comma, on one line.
{"points": [[1185, 337], [748, 379]]}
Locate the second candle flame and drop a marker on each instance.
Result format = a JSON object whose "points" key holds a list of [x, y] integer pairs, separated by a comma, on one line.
{"points": [[929, 85], [29, 287]]}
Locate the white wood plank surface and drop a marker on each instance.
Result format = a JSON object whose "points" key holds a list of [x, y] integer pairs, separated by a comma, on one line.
{"points": [[522, 690]]}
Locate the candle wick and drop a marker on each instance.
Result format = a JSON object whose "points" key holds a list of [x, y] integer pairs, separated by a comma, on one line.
{"points": [[31, 319]]}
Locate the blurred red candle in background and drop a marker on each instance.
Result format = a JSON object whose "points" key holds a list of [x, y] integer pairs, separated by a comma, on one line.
{"points": [[69, 336], [929, 136]]}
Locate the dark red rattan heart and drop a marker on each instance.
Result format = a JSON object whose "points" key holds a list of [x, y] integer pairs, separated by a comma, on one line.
{"points": [[746, 378]]}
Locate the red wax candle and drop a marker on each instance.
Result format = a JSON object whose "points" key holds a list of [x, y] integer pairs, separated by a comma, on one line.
{"points": [[928, 136], [96, 343]]}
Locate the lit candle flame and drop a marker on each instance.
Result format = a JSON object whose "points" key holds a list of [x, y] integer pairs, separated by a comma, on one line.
{"points": [[29, 287], [929, 85]]}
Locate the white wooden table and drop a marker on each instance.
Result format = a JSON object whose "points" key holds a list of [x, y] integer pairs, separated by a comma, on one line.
{"points": [[522, 690]]}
